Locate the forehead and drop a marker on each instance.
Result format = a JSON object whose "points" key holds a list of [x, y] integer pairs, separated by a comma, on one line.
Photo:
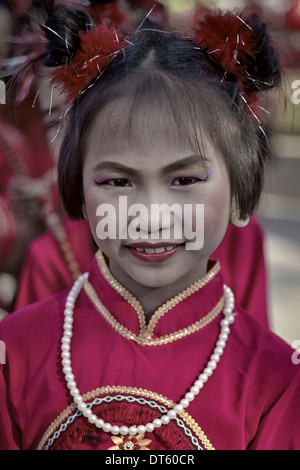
{"points": [[151, 107], [146, 146], [125, 126]]}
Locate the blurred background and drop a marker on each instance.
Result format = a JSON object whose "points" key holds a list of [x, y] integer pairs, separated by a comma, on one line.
{"points": [[279, 210]]}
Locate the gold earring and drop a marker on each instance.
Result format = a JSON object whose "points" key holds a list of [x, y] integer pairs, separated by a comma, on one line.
{"points": [[237, 221]]}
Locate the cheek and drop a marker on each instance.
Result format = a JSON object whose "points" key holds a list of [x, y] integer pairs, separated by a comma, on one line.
{"points": [[91, 201], [103, 216], [210, 219], [93, 196], [91, 204], [217, 212]]}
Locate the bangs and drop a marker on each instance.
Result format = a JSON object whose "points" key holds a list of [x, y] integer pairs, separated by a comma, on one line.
{"points": [[152, 106]]}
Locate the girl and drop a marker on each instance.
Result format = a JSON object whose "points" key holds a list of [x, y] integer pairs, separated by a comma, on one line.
{"points": [[148, 351], [56, 259]]}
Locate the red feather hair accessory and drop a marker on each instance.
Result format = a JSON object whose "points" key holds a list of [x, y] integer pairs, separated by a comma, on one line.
{"points": [[230, 40], [97, 48]]}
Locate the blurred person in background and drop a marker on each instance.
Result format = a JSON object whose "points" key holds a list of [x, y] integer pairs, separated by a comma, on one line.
{"points": [[20, 222], [27, 173]]}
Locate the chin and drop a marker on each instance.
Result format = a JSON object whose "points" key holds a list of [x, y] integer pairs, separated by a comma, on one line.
{"points": [[152, 281]]}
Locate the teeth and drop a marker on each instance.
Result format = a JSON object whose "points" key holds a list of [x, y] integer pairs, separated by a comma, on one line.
{"points": [[149, 250], [155, 250], [158, 250]]}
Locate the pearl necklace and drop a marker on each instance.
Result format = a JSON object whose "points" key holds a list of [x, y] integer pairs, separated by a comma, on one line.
{"points": [[178, 408]]}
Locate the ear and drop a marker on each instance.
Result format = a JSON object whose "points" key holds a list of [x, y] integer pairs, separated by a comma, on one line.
{"points": [[235, 217]]}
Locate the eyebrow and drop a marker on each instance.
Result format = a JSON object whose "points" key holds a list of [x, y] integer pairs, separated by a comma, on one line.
{"points": [[178, 165]]}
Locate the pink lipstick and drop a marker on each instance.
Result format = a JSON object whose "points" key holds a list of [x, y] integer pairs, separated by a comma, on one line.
{"points": [[153, 252]]}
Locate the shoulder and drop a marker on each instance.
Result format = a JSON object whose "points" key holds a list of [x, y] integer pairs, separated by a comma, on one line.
{"points": [[272, 385], [48, 248], [34, 323], [73, 229], [263, 355]]}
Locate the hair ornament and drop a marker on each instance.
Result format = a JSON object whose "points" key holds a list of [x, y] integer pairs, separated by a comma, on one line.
{"points": [[83, 58], [97, 48], [231, 41], [240, 45], [234, 42]]}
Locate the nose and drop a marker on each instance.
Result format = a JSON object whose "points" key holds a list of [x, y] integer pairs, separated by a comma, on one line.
{"points": [[156, 217]]}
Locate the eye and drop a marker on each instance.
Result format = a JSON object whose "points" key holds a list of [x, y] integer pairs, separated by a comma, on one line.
{"points": [[120, 182], [188, 180], [117, 182]]}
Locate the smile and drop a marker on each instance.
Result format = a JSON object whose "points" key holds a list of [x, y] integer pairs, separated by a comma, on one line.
{"points": [[155, 250], [148, 252]]}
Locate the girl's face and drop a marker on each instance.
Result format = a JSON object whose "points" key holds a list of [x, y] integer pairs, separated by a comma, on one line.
{"points": [[120, 172]]}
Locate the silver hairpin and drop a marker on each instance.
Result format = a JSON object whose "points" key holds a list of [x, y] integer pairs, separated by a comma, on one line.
{"points": [[35, 98], [264, 109], [58, 131], [117, 38], [215, 50], [224, 76], [51, 101], [54, 32], [131, 43], [254, 115], [148, 14], [235, 14]]}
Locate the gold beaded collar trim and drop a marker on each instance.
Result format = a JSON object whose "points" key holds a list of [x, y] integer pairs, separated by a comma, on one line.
{"points": [[134, 392], [145, 338]]}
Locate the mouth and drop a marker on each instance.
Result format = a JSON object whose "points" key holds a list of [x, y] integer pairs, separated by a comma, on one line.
{"points": [[154, 252]]}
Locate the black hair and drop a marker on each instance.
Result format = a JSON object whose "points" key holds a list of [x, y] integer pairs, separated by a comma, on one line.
{"points": [[163, 70], [62, 32]]}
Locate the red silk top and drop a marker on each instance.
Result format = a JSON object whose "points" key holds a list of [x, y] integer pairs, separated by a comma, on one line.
{"points": [[250, 402]]}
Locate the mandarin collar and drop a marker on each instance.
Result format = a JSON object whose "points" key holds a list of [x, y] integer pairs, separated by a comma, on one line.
{"points": [[187, 312]]}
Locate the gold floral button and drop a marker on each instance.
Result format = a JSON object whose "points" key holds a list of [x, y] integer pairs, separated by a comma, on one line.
{"points": [[130, 443]]}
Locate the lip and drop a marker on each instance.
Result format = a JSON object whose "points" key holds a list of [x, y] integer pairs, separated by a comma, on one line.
{"points": [[150, 257], [144, 244]]}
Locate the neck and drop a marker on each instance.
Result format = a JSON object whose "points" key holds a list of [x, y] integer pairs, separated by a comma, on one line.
{"points": [[151, 298]]}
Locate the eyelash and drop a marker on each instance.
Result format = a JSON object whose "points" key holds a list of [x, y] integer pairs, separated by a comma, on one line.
{"points": [[107, 182], [195, 180]]}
